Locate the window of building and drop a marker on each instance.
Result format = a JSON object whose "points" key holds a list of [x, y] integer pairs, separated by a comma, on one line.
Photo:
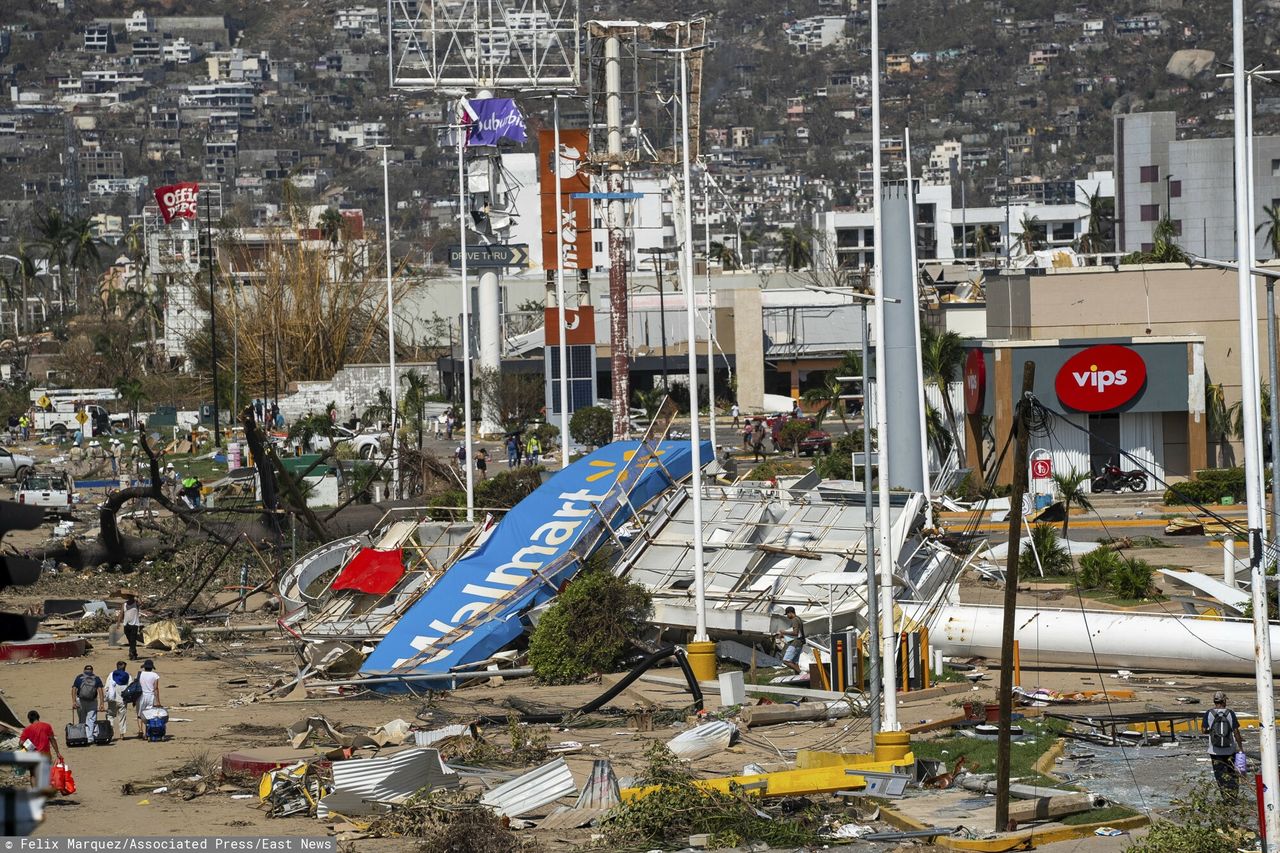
{"points": [[1275, 168], [1150, 213], [1149, 174], [1148, 247], [1175, 189], [1177, 227], [1064, 231]]}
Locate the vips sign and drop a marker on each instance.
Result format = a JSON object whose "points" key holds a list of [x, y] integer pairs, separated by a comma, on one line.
{"points": [[1101, 378], [975, 381], [579, 324], [574, 218], [178, 201]]}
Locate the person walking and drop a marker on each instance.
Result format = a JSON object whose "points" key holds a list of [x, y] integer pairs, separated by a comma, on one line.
{"points": [[87, 700], [735, 411], [482, 463], [513, 455], [38, 737], [149, 681], [24, 423], [439, 423], [533, 450], [448, 426], [116, 682], [130, 619], [757, 443], [1223, 729], [793, 634]]}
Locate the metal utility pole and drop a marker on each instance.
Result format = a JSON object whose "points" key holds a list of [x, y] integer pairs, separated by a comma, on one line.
{"points": [[213, 320], [619, 319], [655, 257], [1270, 817], [391, 327], [1022, 444], [463, 215], [564, 332]]}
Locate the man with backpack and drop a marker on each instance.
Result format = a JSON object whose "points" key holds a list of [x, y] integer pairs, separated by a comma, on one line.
{"points": [[87, 700], [1223, 729]]}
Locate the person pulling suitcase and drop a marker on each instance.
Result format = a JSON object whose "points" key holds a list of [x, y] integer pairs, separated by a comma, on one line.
{"points": [[87, 700]]}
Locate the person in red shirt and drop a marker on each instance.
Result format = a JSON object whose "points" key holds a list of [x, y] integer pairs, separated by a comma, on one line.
{"points": [[40, 736]]}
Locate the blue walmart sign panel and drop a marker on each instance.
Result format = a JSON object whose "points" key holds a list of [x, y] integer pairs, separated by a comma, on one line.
{"points": [[474, 609]]}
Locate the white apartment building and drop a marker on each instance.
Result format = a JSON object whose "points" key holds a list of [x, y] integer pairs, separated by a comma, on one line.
{"points": [[363, 19], [359, 134], [179, 50], [235, 64], [815, 33]]}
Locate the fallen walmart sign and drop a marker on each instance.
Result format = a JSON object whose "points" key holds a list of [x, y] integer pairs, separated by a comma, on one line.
{"points": [[474, 609]]}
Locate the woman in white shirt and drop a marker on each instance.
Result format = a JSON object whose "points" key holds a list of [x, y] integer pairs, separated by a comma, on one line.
{"points": [[149, 681]]}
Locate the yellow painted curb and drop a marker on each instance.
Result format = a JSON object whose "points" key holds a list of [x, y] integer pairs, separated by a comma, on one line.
{"points": [[1044, 764], [1022, 840]]}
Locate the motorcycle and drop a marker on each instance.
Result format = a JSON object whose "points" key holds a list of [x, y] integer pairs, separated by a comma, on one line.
{"points": [[1112, 479]]}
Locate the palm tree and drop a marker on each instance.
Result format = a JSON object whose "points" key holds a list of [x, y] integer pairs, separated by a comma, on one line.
{"points": [[330, 225], [1272, 225], [23, 274], [415, 400], [726, 257], [1165, 249], [828, 395], [1032, 236], [132, 392], [1224, 422], [379, 411], [52, 235], [936, 431], [981, 241], [1094, 239], [795, 250], [1070, 486], [941, 356]]}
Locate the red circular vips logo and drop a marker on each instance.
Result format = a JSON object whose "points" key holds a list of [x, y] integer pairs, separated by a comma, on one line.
{"points": [[975, 381], [1101, 378]]}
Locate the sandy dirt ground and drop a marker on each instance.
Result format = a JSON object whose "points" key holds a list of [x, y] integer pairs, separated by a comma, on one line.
{"points": [[208, 690]]}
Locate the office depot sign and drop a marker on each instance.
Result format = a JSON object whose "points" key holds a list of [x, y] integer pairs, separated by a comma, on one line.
{"points": [[1101, 378]]}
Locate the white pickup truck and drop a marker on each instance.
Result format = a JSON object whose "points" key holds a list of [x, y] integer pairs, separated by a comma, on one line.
{"points": [[51, 492], [366, 445]]}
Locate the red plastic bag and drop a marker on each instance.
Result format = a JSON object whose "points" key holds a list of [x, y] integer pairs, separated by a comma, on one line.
{"points": [[60, 778]]}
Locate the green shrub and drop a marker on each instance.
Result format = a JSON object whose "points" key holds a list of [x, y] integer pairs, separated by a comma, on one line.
{"points": [[1208, 487], [1097, 567], [592, 425], [1054, 557], [589, 627], [679, 808], [1132, 579], [501, 491], [1204, 820], [792, 433]]}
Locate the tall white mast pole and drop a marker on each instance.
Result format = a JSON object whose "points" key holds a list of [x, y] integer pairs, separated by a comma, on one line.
{"points": [[915, 313], [887, 557], [1252, 460]]}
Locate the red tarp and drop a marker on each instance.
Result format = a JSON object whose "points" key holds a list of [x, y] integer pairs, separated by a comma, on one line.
{"points": [[372, 571]]}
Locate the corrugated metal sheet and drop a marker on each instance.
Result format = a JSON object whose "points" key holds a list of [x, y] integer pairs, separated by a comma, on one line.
{"points": [[601, 790], [566, 818], [531, 791], [701, 741], [388, 780], [428, 738]]}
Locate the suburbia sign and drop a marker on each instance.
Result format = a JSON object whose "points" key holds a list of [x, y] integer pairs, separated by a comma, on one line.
{"points": [[1101, 378]]}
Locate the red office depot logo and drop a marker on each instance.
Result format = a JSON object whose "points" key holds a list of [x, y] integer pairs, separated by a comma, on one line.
{"points": [[975, 381], [1101, 378]]}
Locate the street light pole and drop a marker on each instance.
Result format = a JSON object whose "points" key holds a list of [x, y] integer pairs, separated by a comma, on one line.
{"points": [[391, 327], [466, 326]]}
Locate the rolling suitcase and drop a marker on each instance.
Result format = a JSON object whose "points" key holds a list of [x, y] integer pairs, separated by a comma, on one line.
{"points": [[105, 734], [77, 735]]}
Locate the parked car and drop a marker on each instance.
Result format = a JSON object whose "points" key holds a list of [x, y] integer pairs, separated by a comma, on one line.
{"points": [[53, 492], [816, 441], [367, 445], [14, 466]]}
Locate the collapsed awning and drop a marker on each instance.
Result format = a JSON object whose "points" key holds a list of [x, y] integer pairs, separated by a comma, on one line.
{"points": [[372, 571]]}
